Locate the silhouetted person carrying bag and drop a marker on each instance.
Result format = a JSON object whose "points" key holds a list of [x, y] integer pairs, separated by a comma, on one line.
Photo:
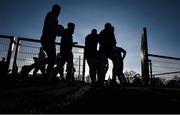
{"points": [[91, 42], [66, 54]]}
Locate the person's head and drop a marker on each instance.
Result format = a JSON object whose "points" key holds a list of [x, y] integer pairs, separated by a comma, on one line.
{"points": [[71, 27], [56, 10], [108, 26], [94, 31]]}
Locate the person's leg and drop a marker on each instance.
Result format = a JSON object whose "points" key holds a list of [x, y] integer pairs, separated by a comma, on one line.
{"points": [[51, 52], [121, 74], [43, 70], [59, 68], [26, 69], [115, 61], [92, 69], [69, 75], [124, 79], [35, 71], [61, 72], [101, 69]]}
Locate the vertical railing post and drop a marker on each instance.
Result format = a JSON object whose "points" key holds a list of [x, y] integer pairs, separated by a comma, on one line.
{"points": [[150, 67], [84, 62], [15, 55], [144, 58], [79, 74], [8, 60]]}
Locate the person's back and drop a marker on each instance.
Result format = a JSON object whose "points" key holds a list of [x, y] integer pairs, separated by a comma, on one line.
{"points": [[50, 26], [107, 39], [91, 42], [66, 41]]}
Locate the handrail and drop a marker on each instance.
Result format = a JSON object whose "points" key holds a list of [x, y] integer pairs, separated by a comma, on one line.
{"points": [[6, 36], [57, 43], [167, 57]]}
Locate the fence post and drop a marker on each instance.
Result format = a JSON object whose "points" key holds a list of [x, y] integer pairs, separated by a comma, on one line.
{"points": [[15, 55], [144, 58], [10, 51], [84, 62], [79, 67], [150, 67]]}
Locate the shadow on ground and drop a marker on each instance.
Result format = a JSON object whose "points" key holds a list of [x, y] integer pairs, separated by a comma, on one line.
{"points": [[61, 97]]}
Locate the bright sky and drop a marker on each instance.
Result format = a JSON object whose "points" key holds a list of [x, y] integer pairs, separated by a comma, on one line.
{"points": [[25, 18]]}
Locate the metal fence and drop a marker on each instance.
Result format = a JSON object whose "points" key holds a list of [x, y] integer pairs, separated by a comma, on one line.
{"points": [[153, 65], [6, 48], [21, 53], [164, 66], [29, 48]]}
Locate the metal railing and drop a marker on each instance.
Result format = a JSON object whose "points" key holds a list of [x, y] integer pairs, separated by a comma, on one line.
{"points": [[24, 49], [153, 65], [6, 47], [163, 66]]}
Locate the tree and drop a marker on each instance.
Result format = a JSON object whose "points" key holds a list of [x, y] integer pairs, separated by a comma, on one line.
{"points": [[133, 77]]}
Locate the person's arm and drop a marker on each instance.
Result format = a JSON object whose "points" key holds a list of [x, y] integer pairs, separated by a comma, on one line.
{"points": [[74, 43], [86, 43], [114, 40], [124, 53]]}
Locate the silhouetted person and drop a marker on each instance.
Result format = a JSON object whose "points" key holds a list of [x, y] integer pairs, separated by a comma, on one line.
{"points": [[91, 42], [119, 55], [107, 44], [50, 31], [41, 56], [3, 68], [66, 54], [49, 35]]}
